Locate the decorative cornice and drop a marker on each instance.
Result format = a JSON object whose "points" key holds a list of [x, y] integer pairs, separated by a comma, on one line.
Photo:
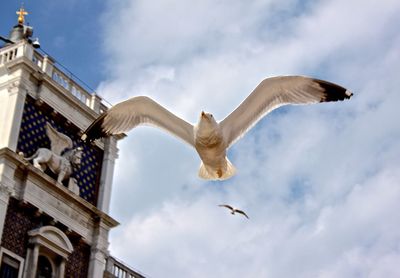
{"points": [[5, 190], [12, 86], [7, 154]]}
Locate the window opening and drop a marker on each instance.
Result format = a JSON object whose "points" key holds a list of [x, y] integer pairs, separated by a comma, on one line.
{"points": [[9, 267], [44, 269]]}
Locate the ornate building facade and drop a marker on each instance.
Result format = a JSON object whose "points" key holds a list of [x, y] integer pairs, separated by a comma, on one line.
{"points": [[51, 226]]}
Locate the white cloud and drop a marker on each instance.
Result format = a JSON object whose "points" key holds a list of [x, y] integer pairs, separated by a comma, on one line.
{"points": [[320, 183]]}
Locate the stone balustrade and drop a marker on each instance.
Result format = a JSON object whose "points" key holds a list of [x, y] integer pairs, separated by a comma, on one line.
{"points": [[48, 66], [115, 268]]}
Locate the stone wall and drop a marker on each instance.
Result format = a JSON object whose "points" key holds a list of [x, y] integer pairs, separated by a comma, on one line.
{"points": [[22, 218], [16, 226], [78, 262]]}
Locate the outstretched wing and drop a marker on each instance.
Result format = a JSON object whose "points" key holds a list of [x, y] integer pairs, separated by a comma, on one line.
{"points": [[58, 140], [242, 212], [274, 92], [226, 206], [136, 111]]}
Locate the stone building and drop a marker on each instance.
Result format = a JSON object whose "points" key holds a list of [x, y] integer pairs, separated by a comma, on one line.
{"points": [[51, 228]]}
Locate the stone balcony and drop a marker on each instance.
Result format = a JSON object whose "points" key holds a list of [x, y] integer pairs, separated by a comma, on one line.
{"points": [[65, 80], [116, 268]]}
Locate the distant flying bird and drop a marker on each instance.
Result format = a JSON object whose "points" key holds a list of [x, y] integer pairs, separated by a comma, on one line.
{"points": [[209, 138], [234, 210]]}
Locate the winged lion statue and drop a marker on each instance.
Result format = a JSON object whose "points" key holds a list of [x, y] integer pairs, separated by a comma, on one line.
{"points": [[58, 163]]}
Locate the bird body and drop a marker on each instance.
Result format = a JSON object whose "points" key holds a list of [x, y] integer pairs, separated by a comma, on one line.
{"points": [[210, 138], [234, 210], [211, 147]]}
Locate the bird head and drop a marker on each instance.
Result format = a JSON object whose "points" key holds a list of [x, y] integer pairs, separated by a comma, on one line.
{"points": [[207, 125], [207, 117]]}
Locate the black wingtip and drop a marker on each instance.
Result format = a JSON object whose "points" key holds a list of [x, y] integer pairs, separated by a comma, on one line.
{"points": [[333, 92], [95, 130]]}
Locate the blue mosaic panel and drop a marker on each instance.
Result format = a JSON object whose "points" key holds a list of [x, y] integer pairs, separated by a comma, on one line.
{"points": [[33, 135]]}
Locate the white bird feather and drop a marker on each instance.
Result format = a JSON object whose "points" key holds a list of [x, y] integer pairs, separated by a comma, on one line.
{"points": [[209, 138]]}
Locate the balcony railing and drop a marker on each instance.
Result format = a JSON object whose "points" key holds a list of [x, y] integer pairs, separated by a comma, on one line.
{"points": [[62, 77], [10, 53], [117, 269]]}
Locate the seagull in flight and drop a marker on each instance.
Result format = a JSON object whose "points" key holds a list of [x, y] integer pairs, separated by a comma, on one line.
{"points": [[234, 210], [210, 138]]}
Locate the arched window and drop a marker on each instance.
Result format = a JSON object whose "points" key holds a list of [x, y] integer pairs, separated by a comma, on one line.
{"points": [[48, 253], [44, 268]]}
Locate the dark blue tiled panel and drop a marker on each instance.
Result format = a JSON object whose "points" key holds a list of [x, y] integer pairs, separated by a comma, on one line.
{"points": [[33, 136]]}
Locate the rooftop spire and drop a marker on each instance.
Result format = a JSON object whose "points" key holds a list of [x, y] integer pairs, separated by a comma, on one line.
{"points": [[21, 14]]}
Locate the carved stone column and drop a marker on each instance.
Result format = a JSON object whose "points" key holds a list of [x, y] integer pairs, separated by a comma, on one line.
{"points": [[97, 263], [61, 269], [99, 253], [12, 106], [107, 173], [32, 258]]}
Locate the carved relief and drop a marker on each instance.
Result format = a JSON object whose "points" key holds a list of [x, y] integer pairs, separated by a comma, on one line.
{"points": [[13, 87], [58, 162]]}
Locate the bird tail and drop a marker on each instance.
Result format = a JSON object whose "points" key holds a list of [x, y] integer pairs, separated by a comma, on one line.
{"points": [[230, 170], [204, 174], [208, 173]]}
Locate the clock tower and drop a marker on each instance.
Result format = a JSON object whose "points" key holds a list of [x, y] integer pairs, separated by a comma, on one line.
{"points": [[54, 188]]}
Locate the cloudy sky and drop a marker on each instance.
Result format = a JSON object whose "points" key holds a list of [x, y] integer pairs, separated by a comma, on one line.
{"points": [[320, 183]]}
